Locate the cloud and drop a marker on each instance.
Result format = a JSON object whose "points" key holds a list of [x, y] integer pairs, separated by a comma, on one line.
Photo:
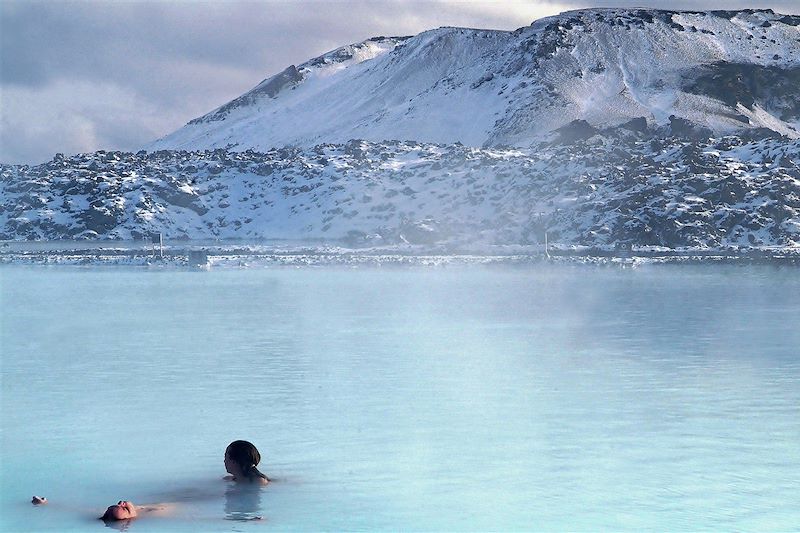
{"points": [[153, 66], [74, 116], [124, 42], [182, 59]]}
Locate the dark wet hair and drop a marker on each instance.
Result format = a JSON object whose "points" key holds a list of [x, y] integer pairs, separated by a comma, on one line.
{"points": [[246, 455]]}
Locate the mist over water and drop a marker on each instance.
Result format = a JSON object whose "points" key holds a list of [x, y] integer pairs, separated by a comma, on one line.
{"points": [[470, 398]]}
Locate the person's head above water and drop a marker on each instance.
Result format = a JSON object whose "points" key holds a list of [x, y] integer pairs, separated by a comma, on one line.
{"points": [[241, 460], [123, 510]]}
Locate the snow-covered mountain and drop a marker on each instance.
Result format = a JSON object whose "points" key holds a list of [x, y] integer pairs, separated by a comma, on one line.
{"points": [[721, 70], [600, 127], [616, 187]]}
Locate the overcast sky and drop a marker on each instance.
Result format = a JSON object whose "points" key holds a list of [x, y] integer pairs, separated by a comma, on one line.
{"points": [[85, 76]]}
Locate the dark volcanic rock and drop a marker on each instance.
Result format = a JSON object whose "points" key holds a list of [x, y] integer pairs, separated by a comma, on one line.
{"points": [[680, 127], [576, 130], [771, 87], [615, 186]]}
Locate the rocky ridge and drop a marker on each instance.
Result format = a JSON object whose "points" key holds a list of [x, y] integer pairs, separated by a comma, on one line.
{"points": [[723, 71], [618, 187]]}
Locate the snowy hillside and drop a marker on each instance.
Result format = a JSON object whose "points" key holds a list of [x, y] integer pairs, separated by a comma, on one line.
{"points": [[721, 70], [617, 187], [600, 127]]}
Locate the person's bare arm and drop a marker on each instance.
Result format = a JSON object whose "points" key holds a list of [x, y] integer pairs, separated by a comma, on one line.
{"points": [[156, 509]]}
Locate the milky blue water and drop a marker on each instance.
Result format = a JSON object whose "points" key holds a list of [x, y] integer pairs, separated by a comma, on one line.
{"points": [[471, 398]]}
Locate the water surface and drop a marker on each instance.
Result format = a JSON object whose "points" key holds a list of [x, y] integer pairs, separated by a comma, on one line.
{"points": [[467, 398]]}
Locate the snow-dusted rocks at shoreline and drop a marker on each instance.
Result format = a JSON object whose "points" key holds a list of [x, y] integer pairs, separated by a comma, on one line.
{"points": [[617, 188], [206, 255]]}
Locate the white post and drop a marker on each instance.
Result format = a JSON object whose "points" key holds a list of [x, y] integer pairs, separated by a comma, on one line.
{"points": [[546, 251]]}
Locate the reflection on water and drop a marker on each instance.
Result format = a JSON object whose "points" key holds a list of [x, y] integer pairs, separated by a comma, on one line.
{"points": [[119, 525], [243, 501]]}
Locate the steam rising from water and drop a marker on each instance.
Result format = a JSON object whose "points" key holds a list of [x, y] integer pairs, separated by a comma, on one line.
{"points": [[579, 398]]}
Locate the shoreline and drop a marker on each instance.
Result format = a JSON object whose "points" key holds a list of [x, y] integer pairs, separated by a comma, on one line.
{"points": [[197, 255]]}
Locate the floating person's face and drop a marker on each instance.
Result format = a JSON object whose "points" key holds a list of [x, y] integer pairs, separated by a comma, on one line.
{"points": [[123, 510]]}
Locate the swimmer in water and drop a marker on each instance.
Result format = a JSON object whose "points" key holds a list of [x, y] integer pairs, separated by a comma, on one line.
{"points": [[122, 510], [125, 510], [241, 460]]}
